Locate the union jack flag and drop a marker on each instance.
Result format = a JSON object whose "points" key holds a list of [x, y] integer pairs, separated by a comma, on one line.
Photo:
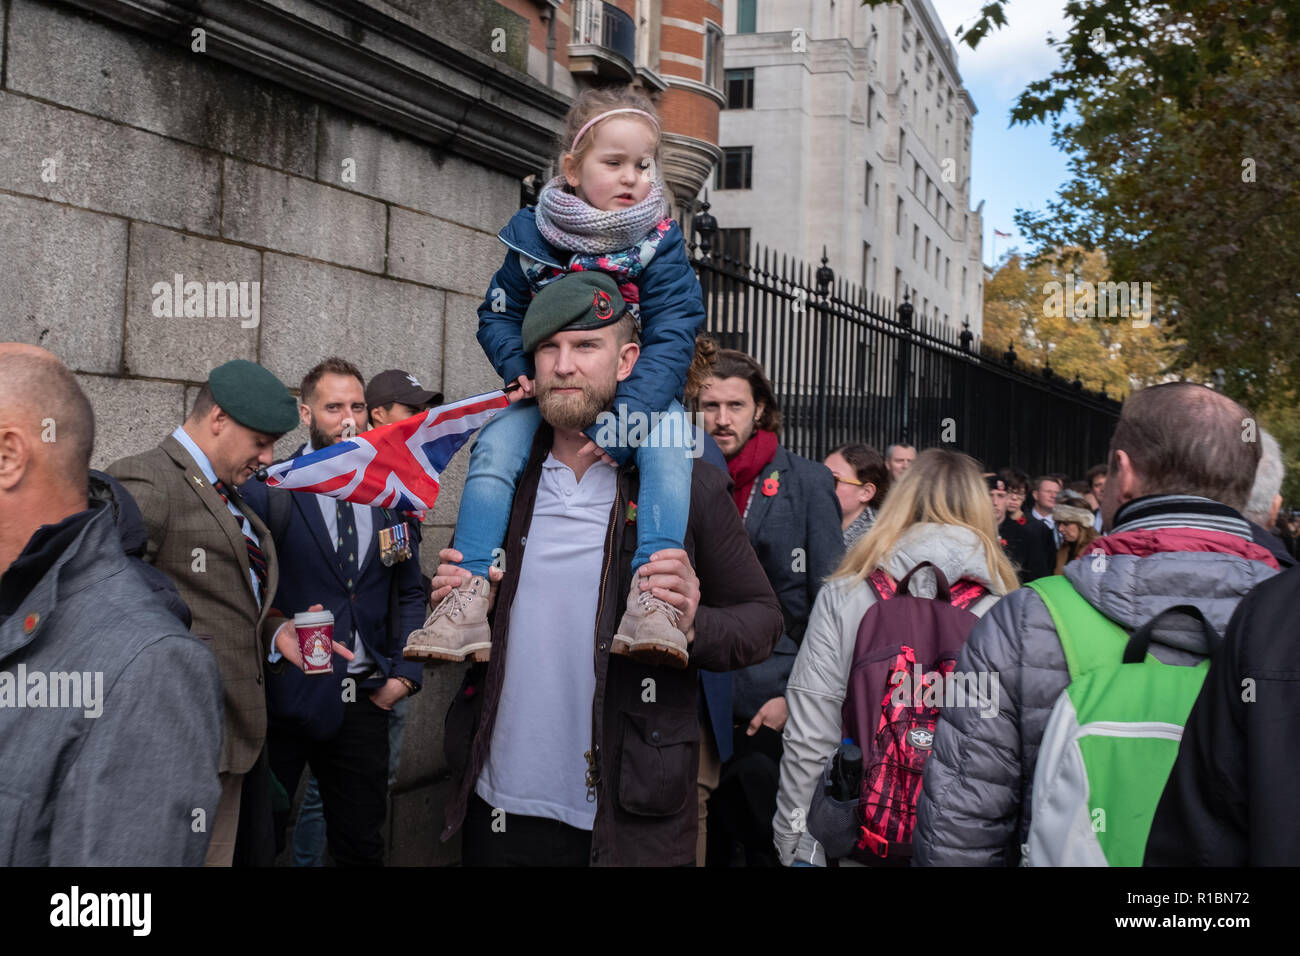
{"points": [[393, 466]]}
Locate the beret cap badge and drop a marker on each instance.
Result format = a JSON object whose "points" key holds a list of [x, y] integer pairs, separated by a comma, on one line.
{"points": [[600, 301]]}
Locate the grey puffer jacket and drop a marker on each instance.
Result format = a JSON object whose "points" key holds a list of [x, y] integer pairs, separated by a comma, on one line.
{"points": [[974, 807], [815, 692]]}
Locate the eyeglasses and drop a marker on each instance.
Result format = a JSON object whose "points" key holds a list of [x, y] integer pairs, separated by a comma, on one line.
{"points": [[848, 481]]}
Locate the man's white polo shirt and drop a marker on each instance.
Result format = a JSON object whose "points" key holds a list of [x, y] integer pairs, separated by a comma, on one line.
{"points": [[535, 766]]}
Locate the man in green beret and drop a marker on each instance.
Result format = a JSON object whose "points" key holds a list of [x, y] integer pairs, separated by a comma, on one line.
{"points": [[220, 555]]}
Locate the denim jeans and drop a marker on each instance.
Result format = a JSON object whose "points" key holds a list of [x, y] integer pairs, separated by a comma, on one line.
{"points": [[309, 831], [498, 461], [665, 464]]}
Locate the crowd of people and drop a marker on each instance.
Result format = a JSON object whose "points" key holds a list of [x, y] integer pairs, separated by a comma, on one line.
{"points": [[858, 661]]}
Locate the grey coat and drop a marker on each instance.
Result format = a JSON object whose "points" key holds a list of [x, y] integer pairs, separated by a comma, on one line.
{"points": [[815, 694], [137, 784], [975, 797]]}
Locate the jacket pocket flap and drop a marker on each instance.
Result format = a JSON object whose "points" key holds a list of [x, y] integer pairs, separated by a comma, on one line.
{"points": [[658, 764]]}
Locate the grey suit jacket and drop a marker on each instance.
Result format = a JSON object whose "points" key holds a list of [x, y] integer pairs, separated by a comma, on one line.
{"points": [[194, 539], [796, 535], [123, 771]]}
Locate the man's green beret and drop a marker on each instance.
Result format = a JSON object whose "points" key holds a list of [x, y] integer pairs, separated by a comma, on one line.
{"points": [[253, 397], [573, 303]]}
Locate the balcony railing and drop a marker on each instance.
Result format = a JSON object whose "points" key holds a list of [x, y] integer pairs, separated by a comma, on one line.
{"points": [[604, 40]]}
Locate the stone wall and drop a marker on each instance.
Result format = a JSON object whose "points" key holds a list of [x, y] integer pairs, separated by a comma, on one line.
{"points": [[127, 158]]}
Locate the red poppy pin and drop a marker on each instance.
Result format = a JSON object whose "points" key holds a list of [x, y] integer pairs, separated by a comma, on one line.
{"points": [[771, 484], [1020, 520], [604, 309], [1002, 541], [631, 512]]}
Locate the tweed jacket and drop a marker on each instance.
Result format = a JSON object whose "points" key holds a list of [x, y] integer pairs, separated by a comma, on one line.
{"points": [[197, 542]]}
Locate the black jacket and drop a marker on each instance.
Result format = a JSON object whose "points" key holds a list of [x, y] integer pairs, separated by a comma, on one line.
{"points": [[1030, 546], [1231, 797], [646, 754]]}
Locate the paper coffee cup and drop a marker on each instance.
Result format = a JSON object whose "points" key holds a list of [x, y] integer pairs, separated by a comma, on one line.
{"points": [[316, 641]]}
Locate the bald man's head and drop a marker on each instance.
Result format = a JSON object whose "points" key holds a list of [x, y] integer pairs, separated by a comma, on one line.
{"points": [[40, 398]]}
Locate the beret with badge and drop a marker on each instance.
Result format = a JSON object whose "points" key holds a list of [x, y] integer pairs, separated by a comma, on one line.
{"points": [[576, 302], [254, 397]]}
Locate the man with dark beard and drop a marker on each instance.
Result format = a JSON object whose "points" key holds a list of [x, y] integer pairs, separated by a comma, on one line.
{"points": [[792, 517], [342, 556], [563, 753]]}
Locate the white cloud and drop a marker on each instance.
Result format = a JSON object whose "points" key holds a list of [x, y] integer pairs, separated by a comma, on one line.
{"points": [[1007, 59]]}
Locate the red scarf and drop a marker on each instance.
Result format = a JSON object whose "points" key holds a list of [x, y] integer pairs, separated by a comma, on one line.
{"points": [[749, 461]]}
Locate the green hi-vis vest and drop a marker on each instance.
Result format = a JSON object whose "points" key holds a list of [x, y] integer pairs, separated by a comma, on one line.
{"points": [[1110, 742]]}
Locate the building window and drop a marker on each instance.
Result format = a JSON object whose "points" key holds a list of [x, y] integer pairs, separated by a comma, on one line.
{"points": [[898, 219], [866, 193], [734, 172], [916, 241], [713, 56], [871, 105], [866, 264], [746, 16], [947, 271], [927, 253], [740, 89], [734, 244], [898, 286]]}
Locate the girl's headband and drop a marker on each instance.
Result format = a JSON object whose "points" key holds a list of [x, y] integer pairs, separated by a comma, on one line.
{"points": [[596, 119]]}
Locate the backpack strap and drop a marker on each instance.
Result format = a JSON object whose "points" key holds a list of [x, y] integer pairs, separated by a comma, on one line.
{"points": [[882, 584], [966, 592], [1089, 638]]}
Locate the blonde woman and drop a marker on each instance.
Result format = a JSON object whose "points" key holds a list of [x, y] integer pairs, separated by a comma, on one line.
{"points": [[937, 512]]}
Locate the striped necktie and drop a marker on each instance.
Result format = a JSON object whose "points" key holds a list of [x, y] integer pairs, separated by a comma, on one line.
{"points": [[255, 557]]}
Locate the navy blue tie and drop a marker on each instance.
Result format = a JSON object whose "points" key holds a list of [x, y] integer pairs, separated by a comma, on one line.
{"points": [[346, 542]]}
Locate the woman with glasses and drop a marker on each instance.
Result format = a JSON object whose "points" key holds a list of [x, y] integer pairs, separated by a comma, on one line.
{"points": [[861, 481]]}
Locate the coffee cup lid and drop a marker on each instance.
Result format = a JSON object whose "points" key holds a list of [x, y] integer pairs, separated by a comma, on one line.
{"points": [[308, 618]]}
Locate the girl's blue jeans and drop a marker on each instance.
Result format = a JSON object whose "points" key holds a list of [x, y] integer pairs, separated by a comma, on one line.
{"points": [[664, 460]]}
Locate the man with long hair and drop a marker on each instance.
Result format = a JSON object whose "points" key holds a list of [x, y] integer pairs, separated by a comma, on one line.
{"points": [[790, 511]]}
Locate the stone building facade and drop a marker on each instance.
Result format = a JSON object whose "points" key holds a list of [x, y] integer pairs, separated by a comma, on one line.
{"points": [[849, 129]]}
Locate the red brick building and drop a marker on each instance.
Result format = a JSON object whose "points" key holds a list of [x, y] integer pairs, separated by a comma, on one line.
{"points": [[670, 48]]}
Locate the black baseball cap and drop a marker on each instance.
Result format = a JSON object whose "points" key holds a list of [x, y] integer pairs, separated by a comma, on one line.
{"points": [[396, 385]]}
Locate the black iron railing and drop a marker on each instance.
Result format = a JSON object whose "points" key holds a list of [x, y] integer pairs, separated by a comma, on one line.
{"points": [[845, 368]]}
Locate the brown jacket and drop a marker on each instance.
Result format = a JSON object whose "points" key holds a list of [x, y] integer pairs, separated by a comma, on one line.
{"points": [[645, 757], [197, 542]]}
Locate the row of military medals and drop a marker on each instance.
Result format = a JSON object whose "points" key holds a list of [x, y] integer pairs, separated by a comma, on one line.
{"points": [[394, 544]]}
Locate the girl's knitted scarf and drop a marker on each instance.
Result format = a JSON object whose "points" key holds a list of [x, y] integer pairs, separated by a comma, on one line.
{"points": [[567, 222]]}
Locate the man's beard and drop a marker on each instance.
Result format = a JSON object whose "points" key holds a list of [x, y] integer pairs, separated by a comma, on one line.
{"points": [[319, 439], [574, 412]]}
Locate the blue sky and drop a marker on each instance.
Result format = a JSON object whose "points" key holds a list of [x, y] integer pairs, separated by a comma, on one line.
{"points": [[1011, 167]]}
